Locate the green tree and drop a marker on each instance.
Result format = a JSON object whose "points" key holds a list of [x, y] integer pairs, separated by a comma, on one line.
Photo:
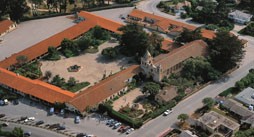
{"points": [[245, 133], [182, 117], [110, 52], [196, 68], [21, 59], [226, 51], [70, 48], [72, 81], [249, 30], [155, 43], [17, 8], [209, 102], [188, 36], [151, 89], [100, 33], [48, 74], [17, 132], [134, 40], [53, 54], [58, 81]]}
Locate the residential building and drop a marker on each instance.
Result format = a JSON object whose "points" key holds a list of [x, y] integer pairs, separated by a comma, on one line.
{"points": [[215, 122], [163, 25], [240, 17], [187, 133], [246, 96], [6, 26], [237, 108], [166, 94], [166, 64], [180, 7]]}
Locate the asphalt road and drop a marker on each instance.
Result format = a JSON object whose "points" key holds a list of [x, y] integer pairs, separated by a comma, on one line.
{"points": [[150, 6], [36, 132]]}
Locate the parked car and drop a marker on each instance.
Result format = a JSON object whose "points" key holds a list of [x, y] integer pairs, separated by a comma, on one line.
{"points": [[121, 129], [1, 102], [61, 128], [62, 112], [117, 125], [167, 112], [109, 121], [39, 122], [125, 129], [30, 119], [77, 120], [81, 135], [5, 124], [129, 130], [28, 133], [113, 123], [22, 118], [15, 102], [51, 111], [54, 126], [2, 115]]}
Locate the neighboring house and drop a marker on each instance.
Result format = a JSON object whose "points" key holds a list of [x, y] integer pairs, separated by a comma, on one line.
{"points": [[166, 64], [240, 17], [237, 108], [246, 96], [179, 7], [163, 25], [166, 94], [187, 133], [215, 122], [6, 26]]}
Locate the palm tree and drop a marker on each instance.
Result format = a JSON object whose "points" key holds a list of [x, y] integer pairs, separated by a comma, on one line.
{"points": [[209, 102], [182, 117]]}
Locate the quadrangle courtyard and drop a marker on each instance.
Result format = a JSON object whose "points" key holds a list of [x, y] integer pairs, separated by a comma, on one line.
{"points": [[93, 66]]}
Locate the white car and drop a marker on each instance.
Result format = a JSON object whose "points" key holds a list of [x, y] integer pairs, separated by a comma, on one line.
{"points": [[167, 112], [30, 119], [129, 130]]}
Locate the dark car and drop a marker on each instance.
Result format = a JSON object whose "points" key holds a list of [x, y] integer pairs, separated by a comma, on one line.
{"points": [[27, 133], [15, 102], [2, 115], [54, 126], [39, 122], [61, 128], [81, 135], [22, 118]]}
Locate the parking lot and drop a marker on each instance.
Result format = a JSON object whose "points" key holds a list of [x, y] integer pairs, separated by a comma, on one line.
{"points": [[93, 124]]}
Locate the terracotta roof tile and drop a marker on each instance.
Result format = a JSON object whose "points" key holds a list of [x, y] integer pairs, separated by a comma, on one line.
{"points": [[35, 88], [192, 49], [166, 44], [164, 23], [104, 89], [5, 25]]}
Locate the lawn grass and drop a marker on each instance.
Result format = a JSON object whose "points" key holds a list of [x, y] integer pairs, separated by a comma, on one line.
{"points": [[78, 86]]}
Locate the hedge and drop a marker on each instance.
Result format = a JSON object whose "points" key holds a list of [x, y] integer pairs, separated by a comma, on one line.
{"points": [[228, 91]]}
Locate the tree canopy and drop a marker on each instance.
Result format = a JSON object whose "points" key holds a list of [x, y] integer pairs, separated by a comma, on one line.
{"points": [[225, 51], [134, 40], [199, 69], [14, 8], [245, 133], [188, 36], [110, 52], [182, 117], [209, 102], [151, 89]]}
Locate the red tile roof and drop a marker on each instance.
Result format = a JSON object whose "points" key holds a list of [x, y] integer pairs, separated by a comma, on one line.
{"points": [[192, 49], [104, 89], [164, 23], [5, 25], [35, 88], [166, 44]]}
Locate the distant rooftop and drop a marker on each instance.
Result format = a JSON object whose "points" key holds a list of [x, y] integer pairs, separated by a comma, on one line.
{"points": [[214, 119], [246, 96], [241, 15]]}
